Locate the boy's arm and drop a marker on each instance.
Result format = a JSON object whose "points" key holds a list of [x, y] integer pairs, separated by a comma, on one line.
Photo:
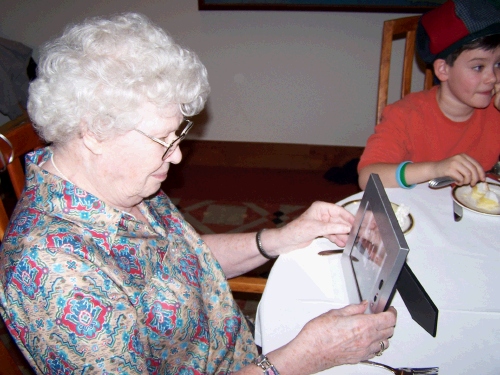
{"points": [[413, 173], [464, 169], [386, 172]]}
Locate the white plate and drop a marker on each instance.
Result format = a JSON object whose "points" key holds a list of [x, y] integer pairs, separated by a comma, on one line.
{"points": [[352, 207], [355, 370], [463, 198]]}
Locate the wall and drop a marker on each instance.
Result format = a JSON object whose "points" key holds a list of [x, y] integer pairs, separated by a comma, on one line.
{"points": [[281, 77]]}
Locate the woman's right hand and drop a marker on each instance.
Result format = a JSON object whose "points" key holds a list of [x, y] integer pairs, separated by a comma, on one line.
{"points": [[337, 337]]}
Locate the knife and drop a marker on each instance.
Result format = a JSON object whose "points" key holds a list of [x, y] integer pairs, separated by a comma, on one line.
{"points": [[330, 252], [457, 211]]}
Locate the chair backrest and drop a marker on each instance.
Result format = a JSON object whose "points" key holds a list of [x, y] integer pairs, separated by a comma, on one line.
{"points": [[17, 138], [393, 29], [8, 366], [4, 219], [12, 361], [23, 138]]}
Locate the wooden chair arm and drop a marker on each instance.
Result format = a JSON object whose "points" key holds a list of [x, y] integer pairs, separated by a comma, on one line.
{"points": [[248, 284]]}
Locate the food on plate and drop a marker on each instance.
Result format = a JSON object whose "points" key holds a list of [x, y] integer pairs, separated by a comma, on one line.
{"points": [[401, 213], [488, 201], [479, 190], [483, 196]]}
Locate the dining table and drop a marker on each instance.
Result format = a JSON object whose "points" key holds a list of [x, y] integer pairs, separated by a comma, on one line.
{"points": [[456, 262]]}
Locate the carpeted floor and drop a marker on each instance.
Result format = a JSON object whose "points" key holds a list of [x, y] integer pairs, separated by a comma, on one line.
{"points": [[225, 216]]}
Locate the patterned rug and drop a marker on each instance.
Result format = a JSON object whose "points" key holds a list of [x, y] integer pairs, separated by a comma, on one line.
{"points": [[209, 216]]}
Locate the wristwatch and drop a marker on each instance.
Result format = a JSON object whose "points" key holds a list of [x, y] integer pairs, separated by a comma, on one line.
{"points": [[266, 366]]}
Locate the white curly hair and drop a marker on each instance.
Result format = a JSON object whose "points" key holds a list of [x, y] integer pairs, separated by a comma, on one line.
{"points": [[99, 72]]}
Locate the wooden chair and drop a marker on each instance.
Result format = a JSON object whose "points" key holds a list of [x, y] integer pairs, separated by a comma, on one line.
{"points": [[395, 29], [251, 282], [4, 220], [23, 138], [11, 360], [20, 139], [248, 284]]}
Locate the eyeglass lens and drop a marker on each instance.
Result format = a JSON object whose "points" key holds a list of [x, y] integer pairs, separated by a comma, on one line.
{"points": [[181, 134]]}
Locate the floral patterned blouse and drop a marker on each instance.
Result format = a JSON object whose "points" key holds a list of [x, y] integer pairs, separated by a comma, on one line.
{"points": [[88, 289]]}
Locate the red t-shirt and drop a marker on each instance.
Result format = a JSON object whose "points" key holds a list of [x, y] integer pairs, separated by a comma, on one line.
{"points": [[415, 129]]}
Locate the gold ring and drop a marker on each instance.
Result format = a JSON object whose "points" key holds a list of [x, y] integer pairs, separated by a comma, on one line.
{"points": [[382, 348]]}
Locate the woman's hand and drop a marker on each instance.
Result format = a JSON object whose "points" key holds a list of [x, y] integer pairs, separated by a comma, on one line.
{"points": [[344, 336], [321, 219]]}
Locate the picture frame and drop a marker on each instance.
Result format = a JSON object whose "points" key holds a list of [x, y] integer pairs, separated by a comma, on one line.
{"points": [[376, 250], [402, 6]]}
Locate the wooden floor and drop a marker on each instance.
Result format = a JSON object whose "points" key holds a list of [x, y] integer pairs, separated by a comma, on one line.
{"points": [[263, 172], [298, 187]]}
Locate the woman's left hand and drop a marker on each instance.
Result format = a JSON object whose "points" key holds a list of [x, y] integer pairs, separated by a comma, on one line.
{"points": [[321, 219]]}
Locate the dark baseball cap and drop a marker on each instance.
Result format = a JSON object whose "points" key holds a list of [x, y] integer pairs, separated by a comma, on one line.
{"points": [[445, 29]]}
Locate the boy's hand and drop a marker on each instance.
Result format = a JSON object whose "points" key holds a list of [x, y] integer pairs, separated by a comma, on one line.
{"points": [[462, 168], [496, 93]]}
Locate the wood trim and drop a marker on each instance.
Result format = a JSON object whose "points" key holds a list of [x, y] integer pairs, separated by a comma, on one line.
{"points": [[4, 221], [311, 6], [23, 138], [267, 155], [246, 284]]}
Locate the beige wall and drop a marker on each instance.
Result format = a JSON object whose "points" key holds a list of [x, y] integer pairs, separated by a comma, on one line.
{"points": [[281, 77]]}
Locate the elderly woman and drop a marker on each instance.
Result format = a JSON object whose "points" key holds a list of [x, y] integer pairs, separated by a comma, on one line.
{"points": [[100, 273]]}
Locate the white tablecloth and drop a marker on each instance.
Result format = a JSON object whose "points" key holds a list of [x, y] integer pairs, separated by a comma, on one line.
{"points": [[458, 263]]}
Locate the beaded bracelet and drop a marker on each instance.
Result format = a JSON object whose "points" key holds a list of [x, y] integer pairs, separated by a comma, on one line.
{"points": [[259, 245], [266, 366], [400, 175]]}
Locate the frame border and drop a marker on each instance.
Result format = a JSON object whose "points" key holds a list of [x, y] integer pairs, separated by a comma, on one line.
{"points": [[202, 5]]}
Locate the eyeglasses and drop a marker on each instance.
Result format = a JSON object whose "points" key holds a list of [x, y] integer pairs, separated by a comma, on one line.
{"points": [[170, 147]]}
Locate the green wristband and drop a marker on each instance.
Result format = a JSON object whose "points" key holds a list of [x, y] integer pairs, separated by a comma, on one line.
{"points": [[400, 175]]}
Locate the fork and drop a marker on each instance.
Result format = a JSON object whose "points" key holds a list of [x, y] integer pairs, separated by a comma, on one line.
{"points": [[494, 172], [404, 370], [496, 168], [440, 182]]}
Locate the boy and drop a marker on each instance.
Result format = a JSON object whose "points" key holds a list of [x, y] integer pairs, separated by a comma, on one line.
{"points": [[452, 129]]}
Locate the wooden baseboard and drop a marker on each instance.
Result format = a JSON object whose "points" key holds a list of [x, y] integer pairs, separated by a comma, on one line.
{"points": [[267, 155]]}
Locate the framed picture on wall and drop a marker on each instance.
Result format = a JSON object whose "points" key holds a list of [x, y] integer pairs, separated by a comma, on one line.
{"points": [[404, 6]]}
